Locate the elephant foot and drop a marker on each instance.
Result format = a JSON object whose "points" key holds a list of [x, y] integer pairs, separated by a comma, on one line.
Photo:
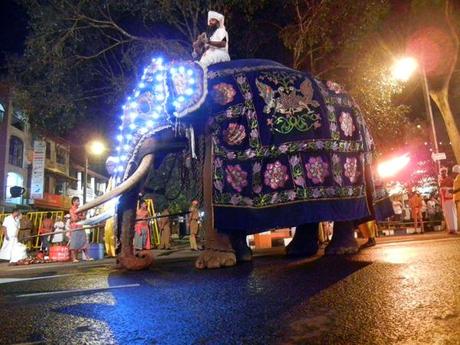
{"points": [[343, 240], [305, 241], [215, 259], [218, 253], [242, 251], [141, 261]]}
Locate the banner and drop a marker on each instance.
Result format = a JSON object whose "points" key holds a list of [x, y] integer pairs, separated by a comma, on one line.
{"points": [[38, 170]]}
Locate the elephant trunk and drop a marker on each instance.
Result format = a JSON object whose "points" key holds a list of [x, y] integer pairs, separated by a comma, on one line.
{"points": [[139, 174]]}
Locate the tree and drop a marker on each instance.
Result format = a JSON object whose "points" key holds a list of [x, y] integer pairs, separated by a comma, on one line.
{"points": [[351, 42], [83, 56], [441, 36]]}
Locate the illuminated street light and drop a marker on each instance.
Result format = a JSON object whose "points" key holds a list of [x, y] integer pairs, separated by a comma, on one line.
{"points": [[404, 68], [95, 148]]}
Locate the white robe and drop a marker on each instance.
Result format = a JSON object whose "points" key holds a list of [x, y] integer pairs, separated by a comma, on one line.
{"points": [[213, 54], [12, 250]]}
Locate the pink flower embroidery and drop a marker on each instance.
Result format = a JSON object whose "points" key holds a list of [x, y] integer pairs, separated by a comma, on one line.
{"points": [[234, 134], [351, 169], [346, 124], [236, 177], [333, 86], [223, 93], [275, 175], [317, 169]]}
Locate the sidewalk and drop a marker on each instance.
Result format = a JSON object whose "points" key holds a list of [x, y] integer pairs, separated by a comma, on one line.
{"points": [[181, 252]]}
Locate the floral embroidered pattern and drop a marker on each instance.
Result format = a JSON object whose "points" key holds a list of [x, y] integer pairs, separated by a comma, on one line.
{"points": [[234, 134], [250, 111], [337, 169], [257, 178], [351, 169], [223, 93], [333, 86], [291, 108], [297, 171], [317, 169], [276, 175], [346, 124], [236, 177]]}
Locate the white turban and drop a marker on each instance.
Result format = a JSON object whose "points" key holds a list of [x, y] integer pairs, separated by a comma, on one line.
{"points": [[456, 169], [217, 16]]}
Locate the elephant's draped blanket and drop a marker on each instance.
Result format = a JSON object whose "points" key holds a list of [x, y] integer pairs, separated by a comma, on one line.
{"points": [[287, 148]]}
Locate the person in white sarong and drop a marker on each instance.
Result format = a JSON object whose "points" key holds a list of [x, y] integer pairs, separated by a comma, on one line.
{"points": [[12, 250], [217, 44]]}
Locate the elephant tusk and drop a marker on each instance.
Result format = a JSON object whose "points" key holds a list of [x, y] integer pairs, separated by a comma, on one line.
{"points": [[130, 182]]}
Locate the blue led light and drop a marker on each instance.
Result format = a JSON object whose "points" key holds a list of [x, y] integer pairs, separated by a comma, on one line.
{"points": [[119, 137], [181, 69], [132, 126], [189, 92], [149, 123]]}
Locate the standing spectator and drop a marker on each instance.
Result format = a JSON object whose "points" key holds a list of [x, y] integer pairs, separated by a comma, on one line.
{"points": [[431, 208], [78, 240], [12, 250], [194, 217], [448, 207], [141, 229], [59, 227], [165, 230], [415, 205], [45, 228], [456, 191], [398, 210], [25, 231]]}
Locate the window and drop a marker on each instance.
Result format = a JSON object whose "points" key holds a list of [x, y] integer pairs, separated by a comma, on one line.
{"points": [[60, 155], [12, 180], [48, 150], [16, 151], [18, 120], [2, 112]]}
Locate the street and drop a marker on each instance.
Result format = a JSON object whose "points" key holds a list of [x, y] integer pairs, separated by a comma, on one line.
{"points": [[394, 293]]}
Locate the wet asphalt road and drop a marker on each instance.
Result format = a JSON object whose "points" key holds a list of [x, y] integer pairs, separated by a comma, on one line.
{"points": [[402, 293]]}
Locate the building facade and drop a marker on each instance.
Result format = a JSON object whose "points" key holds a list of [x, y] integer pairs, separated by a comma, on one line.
{"points": [[61, 177]]}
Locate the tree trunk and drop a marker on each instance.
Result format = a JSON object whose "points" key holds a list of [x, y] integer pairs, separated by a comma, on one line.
{"points": [[441, 98]]}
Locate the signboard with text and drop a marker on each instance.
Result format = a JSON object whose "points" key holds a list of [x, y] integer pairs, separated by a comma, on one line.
{"points": [[38, 170], [438, 156]]}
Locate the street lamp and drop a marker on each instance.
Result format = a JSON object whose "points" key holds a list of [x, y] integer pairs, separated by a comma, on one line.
{"points": [[402, 70], [95, 148]]}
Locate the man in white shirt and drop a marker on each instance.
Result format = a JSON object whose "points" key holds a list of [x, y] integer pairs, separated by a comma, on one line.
{"points": [[217, 44], [12, 250]]}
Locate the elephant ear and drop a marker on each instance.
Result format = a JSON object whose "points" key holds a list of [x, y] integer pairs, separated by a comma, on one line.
{"points": [[188, 89]]}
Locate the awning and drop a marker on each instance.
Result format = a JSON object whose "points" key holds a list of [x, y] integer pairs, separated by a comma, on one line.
{"points": [[61, 174]]}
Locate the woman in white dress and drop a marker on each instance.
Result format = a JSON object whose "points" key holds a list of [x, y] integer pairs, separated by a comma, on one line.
{"points": [[12, 250], [59, 227]]}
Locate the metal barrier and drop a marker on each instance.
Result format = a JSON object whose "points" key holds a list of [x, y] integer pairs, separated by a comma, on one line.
{"points": [[155, 233], [36, 219]]}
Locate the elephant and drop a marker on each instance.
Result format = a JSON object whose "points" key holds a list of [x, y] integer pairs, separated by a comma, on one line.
{"points": [[282, 149]]}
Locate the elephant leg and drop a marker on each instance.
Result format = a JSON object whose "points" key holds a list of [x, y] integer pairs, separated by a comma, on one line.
{"points": [[343, 240], [127, 216], [305, 241], [218, 250], [240, 246]]}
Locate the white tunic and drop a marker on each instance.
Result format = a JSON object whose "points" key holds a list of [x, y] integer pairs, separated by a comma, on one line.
{"points": [[214, 54], [12, 250]]}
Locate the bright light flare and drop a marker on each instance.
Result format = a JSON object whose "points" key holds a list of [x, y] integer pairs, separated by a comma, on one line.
{"points": [[393, 166], [96, 148], [404, 68]]}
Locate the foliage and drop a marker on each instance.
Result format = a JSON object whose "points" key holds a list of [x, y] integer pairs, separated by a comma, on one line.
{"points": [[324, 32], [83, 56]]}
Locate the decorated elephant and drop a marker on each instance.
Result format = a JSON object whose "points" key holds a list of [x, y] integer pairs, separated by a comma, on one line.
{"points": [[282, 149]]}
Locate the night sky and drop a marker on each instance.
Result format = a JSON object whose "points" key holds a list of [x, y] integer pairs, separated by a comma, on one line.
{"points": [[13, 29]]}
